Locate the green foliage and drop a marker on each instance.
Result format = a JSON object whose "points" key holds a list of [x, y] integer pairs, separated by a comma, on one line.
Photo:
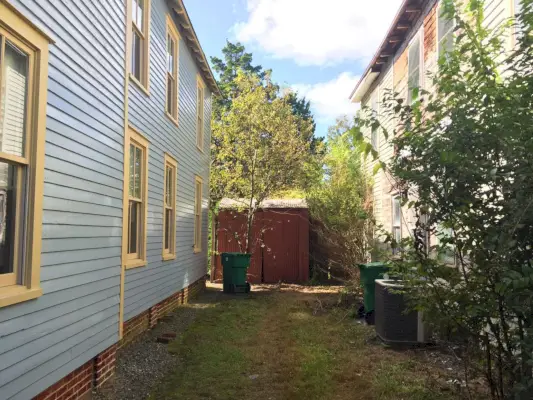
{"points": [[235, 59], [339, 206], [463, 165], [260, 149]]}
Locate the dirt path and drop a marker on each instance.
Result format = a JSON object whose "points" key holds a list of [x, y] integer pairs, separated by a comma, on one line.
{"points": [[290, 342]]}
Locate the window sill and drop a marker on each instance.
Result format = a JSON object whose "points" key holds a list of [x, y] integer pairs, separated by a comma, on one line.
{"points": [[167, 257], [197, 250], [135, 264], [139, 85], [200, 149], [17, 294], [174, 120]]}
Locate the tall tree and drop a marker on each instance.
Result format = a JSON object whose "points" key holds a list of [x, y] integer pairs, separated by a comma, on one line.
{"points": [[301, 107], [261, 150], [235, 59]]}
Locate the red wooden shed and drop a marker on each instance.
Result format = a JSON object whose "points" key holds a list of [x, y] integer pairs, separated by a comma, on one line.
{"points": [[280, 250]]}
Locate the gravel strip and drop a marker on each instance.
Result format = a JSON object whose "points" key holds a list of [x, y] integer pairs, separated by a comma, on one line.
{"points": [[142, 365]]}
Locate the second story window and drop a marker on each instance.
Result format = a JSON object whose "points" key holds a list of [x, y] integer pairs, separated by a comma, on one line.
{"points": [[200, 87], [140, 23], [445, 33], [396, 223], [414, 57], [374, 138], [172, 71]]}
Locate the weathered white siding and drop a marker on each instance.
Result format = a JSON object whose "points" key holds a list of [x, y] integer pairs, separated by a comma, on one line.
{"points": [[395, 77]]}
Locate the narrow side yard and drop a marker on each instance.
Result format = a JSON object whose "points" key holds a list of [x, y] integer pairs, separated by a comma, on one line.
{"points": [[291, 342]]}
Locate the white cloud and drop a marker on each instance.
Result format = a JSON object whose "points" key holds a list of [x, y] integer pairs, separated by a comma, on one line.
{"points": [[313, 32], [330, 99]]}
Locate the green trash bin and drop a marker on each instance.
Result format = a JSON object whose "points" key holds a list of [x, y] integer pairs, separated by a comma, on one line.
{"points": [[369, 273], [234, 269]]}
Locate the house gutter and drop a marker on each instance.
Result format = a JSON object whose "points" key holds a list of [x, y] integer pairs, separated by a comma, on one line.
{"points": [[396, 34], [190, 38]]}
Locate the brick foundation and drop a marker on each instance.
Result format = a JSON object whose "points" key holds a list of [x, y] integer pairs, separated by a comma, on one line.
{"points": [[104, 366], [134, 327], [80, 382], [94, 373]]}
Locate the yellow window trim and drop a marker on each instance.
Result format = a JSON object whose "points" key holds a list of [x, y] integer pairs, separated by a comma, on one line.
{"points": [[144, 83], [171, 162], [17, 27], [200, 84], [197, 247], [134, 136], [172, 31]]}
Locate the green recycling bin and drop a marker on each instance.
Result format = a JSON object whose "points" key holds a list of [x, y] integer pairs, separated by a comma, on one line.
{"points": [[369, 273], [234, 268]]}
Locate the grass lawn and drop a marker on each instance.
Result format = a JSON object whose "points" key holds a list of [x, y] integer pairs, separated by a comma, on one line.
{"points": [[291, 344]]}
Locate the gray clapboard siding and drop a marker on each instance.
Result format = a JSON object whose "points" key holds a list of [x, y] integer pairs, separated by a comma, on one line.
{"points": [[146, 286], [43, 340]]}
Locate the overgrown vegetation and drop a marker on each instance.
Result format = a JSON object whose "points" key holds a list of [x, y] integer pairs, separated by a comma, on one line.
{"points": [[463, 166], [340, 210], [293, 343], [262, 139]]}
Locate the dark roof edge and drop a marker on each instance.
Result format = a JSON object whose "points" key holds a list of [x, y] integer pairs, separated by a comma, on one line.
{"points": [[394, 33], [194, 45]]}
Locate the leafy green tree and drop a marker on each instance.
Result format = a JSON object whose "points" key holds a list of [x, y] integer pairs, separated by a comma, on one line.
{"points": [[235, 59], [301, 107], [339, 207], [261, 151], [463, 165]]}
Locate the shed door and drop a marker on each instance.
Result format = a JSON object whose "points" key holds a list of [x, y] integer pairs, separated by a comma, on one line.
{"points": [[281, 250]]}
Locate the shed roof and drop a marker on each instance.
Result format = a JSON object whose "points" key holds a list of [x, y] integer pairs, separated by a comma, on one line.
{"points": [[405, 18], [194, 44], [269, 203]]}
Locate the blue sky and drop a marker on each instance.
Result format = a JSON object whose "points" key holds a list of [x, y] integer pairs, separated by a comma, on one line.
{"points": [[319, 48]]}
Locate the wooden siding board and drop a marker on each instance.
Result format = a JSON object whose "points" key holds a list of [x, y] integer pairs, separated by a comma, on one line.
{"points": [[55, 345], [146, 286], [82, 196], [57, 174], [21, 323], [77, 317], [34, 338], [96, 340], [64, 369], [49, 303]]}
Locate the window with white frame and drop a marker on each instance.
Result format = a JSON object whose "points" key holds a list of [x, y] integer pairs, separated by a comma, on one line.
{"points": [[374, 135], [200, 87], [396, 222], [445, 28], [414, 61]]}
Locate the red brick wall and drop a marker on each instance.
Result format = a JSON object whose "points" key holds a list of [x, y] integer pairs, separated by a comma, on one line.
{"points": [[76, 385], [430, 32], [94, 373], [165, 307], [133, 328], [104, 366]]}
